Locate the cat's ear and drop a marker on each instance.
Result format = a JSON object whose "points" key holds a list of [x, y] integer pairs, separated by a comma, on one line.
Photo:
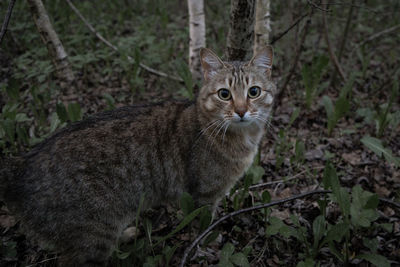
{"points": [[210, 62], [263, 59]]}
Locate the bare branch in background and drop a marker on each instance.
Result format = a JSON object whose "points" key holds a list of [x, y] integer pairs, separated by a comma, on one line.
{"points": [[344, 38], [330, 48], [50, 39], [279, 94], [113, 47], [197, 29], [6, 19], [241, 29], [317, 6], [376, 35], [262, 26], [280, 35]]}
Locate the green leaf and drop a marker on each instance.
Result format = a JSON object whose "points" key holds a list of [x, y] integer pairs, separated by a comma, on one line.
{"points": [[255, 173], [336, 232], [110, 101], [342, 106], [388, 227], [74, 112], [274, 225], [205, 219], [299, 151], [169, 252], [239, 259], [190, 217], [372, 202], [54, 122], [210, 238], [335, 252], [327, 102], [330, 178], [61, 112], [122, 255], [377, 260], [22, 117], [293, 117], [148, 227], [266, 196], [343, 199], [372, 244], [307, 263], [376, 146], [318, 230], [9, 128], [187, 203], [287, 231], [225, 263], [227, 251]]}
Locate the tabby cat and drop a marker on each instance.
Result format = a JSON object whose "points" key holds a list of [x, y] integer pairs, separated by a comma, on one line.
{"points": [[81, 187]]}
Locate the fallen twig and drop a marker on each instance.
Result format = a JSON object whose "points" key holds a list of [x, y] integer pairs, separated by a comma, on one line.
{"points": [[256, 186], [262, 206], [98, 35], [390, 202], [6, 19], [232, 214], [330, 49], [43, 261]]}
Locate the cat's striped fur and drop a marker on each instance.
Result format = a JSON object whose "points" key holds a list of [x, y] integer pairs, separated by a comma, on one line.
{"points": [[78, 189]]}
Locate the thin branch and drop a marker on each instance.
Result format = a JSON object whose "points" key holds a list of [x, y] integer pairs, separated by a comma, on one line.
{"points": [[6, 19], [280, 35], [390, 202], [330, 49], [344, 39], [257, 186], [279, 94], [376, 35], [317, 6], [43, 261], [235, 213], [346, 31], [98, 35], [352, 5]]}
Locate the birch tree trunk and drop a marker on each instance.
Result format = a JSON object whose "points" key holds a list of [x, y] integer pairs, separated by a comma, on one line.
{"points": [[241, 29], [197, 29], [262, 26], [52, 42]]}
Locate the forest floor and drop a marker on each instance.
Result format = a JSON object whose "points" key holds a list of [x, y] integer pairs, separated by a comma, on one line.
{"points": [[355, 166]]}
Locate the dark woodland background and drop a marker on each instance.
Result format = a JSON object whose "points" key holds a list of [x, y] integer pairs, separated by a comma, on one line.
{"points": [[329, 130]]}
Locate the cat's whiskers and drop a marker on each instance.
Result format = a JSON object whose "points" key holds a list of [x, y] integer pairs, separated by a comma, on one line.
{"points": [[226, 128], [265, 120], [213, 137], [204, 130]]}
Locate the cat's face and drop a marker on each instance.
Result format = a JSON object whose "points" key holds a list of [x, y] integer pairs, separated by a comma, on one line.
{"points": [[237, 95]]}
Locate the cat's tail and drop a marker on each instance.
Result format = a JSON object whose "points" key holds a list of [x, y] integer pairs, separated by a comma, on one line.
{"points": [[9, 167]]}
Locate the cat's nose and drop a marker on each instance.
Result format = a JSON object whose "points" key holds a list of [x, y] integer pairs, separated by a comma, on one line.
{"points": [[241, 112]]}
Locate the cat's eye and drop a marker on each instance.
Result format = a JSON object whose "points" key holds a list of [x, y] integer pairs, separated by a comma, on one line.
{"points": [[224, 94], [254, 92]]}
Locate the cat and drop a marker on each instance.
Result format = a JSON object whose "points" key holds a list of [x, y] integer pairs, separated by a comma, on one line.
{"points": [[80, 188]]}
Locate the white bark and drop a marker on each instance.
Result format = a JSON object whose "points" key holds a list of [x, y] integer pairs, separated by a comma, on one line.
{"points": [[262, 25], [197, 29], [51, 40]]}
